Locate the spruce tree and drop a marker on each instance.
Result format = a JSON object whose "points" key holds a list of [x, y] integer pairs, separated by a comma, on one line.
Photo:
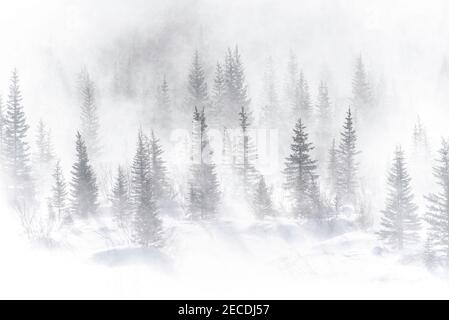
{"points": [[400, 223], [300, 172], [246, 155], [158, 170], [147, 224], [332, 168], [44, 154], [204, 194], [262, 204], [361, 91], [347, 164], [120, 199], [291, 85], [305, 104], [84, 191], [162, 116], [270, 113], [218, 97], [90, 124], [438, 209], [197, 85], [324, 111], [59, 193], [2, 127], [16, 150]]}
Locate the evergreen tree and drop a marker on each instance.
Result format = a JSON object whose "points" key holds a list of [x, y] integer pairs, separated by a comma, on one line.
{"points": [[399, 224], [236, 89], [162, 116], [421, 149], [16, 149], [197, 86], [84, 191], [2, 126], [305, 104], [300, 172], [361, 91], [332, 168], [158, 170], [246, 156], [347, 165], [203, 194], [90, 124], [262, 204], [44, 154], [270, 112], [291, 85], [438, 209], [324, 111], [218, 97], [120, 199], [147, 224], [59, 193]]}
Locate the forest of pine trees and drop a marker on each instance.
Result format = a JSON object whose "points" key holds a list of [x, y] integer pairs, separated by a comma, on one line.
{"points": [[320, 178]]}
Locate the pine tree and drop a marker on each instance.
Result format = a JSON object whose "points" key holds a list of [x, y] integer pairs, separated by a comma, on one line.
{"points": [[90, 124], [59, 193], [218, 97], [361, 91], [16, 152], [291, 85], [197, 86], [438, 209], [44, 154], [204, 195], [270, 113], [421, 148], [162, 116], [399, 224], [84, 191], [305, 104], [332, 168], [120, 199], [236, 89], [262, 204], [324, 110], [246, 155], [347, 165], [300, 172], [2, 127], [158, 170], [147, 224]]}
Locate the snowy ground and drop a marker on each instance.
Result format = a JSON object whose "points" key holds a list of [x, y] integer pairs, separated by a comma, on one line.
{"points": [[248, 260]]}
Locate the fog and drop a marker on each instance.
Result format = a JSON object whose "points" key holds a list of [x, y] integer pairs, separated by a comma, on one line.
{"points": [[133, 45]]}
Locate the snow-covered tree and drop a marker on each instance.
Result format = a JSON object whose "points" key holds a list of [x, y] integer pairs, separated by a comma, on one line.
{"points": [[44, 152], [347, 164], [158, 170], [361, 90], [324, 112], [59, 193], [270, 112], [305, 103], [400, 224], [162, 114], [197, 85], [300, 172], [2, 126], [218, 98], [16, 156], [84, 191], [438, 208], [90, 124], [291, 86], [246, 155], [262, 203], [421, 148], [332, 168], [236, 89], [147, 224], [121, 208], [204, 194]]}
